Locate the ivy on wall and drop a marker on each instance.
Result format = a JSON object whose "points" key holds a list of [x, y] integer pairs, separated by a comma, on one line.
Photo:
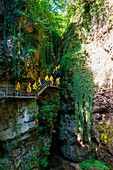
{"points": [[74, 62], [29, 26]]}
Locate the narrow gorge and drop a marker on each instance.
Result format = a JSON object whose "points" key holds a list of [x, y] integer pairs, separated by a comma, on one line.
{"points": [[65, 123]]}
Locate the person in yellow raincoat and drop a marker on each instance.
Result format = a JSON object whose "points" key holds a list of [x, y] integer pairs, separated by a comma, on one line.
{"points": [[57, 81], [39, 83], [53, 71], [51, 80], [29, 89], [17, 88], [58, 67], [34, 87], [47, 79]]}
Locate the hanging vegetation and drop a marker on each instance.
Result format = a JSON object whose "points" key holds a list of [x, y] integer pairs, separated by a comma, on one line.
{"points": [[31, 27], [74, 61]]}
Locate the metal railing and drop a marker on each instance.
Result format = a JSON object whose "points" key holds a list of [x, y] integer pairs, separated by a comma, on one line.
{"points": [[7, 90], [10, 91]]}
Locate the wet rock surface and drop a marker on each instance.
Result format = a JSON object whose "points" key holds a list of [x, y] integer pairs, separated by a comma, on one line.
{"points": [[102, 129], [70, 147], [20, 140], [62, 164]]}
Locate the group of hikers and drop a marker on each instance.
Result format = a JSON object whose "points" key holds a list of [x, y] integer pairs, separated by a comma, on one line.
{"points": [[57, 68], [36, 86]]}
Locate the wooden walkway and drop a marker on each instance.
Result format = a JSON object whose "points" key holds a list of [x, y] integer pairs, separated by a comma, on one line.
{"points": [[9, 91]]}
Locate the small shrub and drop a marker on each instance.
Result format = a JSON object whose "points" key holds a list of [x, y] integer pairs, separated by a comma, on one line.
{"points": [[34, 115], [89, 163], [1, 166]]}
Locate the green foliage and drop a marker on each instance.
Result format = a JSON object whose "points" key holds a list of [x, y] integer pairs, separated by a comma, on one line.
{"points": [[1, 166], [34, 115], [49, 20], [15, 128], [74, 62], [89, 163], [83, 94], [33, 108], [22, 21], [33, 159], [44, 152], [45, 21], [10, 36], [49, 111], [29, 167]]}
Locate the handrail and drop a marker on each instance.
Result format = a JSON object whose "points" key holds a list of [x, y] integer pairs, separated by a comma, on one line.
{"points": [[10, 90], [7, 85]]}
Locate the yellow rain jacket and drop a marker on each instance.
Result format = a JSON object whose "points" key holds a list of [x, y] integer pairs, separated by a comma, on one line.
{"points": [[29, 88], [34, 86], [51, 78], [18, 86], [53, 71], [46, 78], [39, 82], [58, 66], [58, 80]]}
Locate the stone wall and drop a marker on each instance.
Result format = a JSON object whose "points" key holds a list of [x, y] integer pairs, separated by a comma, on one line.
{"points": [[26, 132], [99, 48], [21, 137], [102, 125], [71, 146]]}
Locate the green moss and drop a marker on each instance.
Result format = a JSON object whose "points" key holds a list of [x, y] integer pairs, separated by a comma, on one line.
{"points": [[106, 133], [1, 166], [89, 163]]}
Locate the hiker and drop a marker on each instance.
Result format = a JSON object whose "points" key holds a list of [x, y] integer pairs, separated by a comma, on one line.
{"points": [[39, 83], [34, 87], [42, 81], [28, 89], [57, 81], [17, 88], [58, 67], [51, 80], [53, 71], [47, 79]]}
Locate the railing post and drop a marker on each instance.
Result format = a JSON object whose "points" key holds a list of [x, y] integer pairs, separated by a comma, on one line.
{"points": [[20, 94], [15, 92], [7, 91], [37, 93], [49, 83]]}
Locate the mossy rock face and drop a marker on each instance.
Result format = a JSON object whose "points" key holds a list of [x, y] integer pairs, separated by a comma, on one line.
{"points": [[106, 134], [103, 132]]}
